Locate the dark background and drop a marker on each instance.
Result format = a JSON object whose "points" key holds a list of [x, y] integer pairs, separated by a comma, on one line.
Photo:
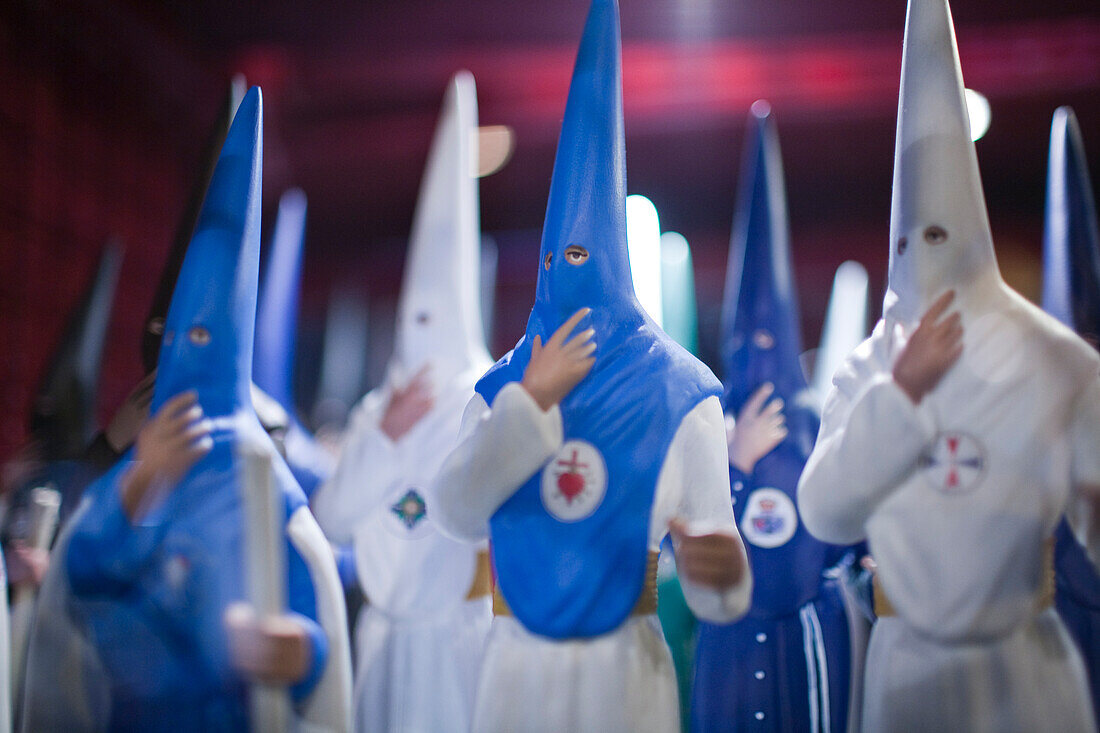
{"points": [[104, 108]]}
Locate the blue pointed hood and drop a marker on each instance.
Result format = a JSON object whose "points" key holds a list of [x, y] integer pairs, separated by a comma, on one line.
{"points": [[587, 204], [1071, 244], [277, 318], [63, 414], [760, 337], [276, 329], [208, 333], [153, 331], [577, 575], [586, 207]]}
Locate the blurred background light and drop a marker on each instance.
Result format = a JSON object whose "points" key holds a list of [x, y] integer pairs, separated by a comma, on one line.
{"points": [[643, 240], [977, 106]]}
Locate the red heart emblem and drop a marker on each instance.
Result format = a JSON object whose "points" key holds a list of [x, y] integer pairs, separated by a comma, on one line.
{"points": [[571, 485]]}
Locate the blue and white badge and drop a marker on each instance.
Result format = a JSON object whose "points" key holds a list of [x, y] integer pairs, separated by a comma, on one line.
{"points": [[574, 481], [770, 519]]}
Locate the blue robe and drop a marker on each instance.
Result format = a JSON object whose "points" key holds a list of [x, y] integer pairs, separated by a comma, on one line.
{"points": [[151, 597], [785, 666]]}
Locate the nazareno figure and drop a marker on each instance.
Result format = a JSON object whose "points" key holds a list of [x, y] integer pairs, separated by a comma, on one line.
{"points": [[156, 558], [421, 635], [64, 688], [584, 446], [785, 666], [1071, 293], [954, 439]]}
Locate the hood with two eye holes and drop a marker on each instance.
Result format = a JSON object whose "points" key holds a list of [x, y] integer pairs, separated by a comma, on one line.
{"points": [[439, 319], [939, 229]]}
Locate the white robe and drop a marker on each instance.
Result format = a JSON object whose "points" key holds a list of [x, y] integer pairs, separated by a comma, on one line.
{"points": [[623, 680], [956, 497], [419, 642]]}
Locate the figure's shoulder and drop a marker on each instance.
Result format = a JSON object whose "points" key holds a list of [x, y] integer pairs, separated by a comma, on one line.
{"points": [[684, 368], [1052, 345], [869, 359]]}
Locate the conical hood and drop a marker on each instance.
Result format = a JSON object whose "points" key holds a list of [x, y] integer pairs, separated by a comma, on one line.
{"points": [[63, 414], [1071, 244], [208, 334], [158, 310], [576, 570], [939, 231], [277, 317], [760, 339], [587, 204], [439, 314], [845, 325]]}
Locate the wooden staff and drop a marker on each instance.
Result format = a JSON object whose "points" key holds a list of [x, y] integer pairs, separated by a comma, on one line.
{"points": [[265, 567]]}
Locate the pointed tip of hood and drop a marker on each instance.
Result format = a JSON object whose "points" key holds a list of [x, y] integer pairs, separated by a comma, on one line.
{"points": [[587, 201], [939, 229], [1071, 241], [439, 319], [277, 313], [761, 338], [185, 229], [63, 411], [211, 320]]}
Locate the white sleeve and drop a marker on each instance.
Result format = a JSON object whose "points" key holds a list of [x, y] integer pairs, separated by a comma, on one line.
{"points": [[498, 450], [368, 467], [871, 438], [694, 486], [1083, 512]]}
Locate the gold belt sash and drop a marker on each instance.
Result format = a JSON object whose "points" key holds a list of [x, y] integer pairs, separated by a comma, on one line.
{"points": [[482, 584], [1043, 600], [647, 601]]}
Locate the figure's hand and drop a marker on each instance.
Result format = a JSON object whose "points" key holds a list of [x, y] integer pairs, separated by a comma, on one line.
{"points": [[407, 405], [274, 650], [169, 444], [557, 366], [26, 565], [715, 560], [758, 429], [932, 349], [131, 414]]}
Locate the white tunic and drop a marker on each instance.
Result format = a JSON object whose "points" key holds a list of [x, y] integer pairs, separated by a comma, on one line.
{"points": [[419, 641], [956, 497], [621, 681]]}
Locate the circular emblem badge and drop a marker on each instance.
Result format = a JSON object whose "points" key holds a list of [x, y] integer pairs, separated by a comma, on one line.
{"points": [[770, 519], [574, 481], [955, 464]]}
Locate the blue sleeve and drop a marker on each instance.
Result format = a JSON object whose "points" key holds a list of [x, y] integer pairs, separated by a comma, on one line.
{"points": [[303, 605], [106, 552]]}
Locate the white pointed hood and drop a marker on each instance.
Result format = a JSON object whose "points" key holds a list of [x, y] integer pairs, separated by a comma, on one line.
{"points": [[439, 313], [939, 230]]}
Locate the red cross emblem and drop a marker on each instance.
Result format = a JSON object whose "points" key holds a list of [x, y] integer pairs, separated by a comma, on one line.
{"points": [[574, 482], [955, 464]]}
